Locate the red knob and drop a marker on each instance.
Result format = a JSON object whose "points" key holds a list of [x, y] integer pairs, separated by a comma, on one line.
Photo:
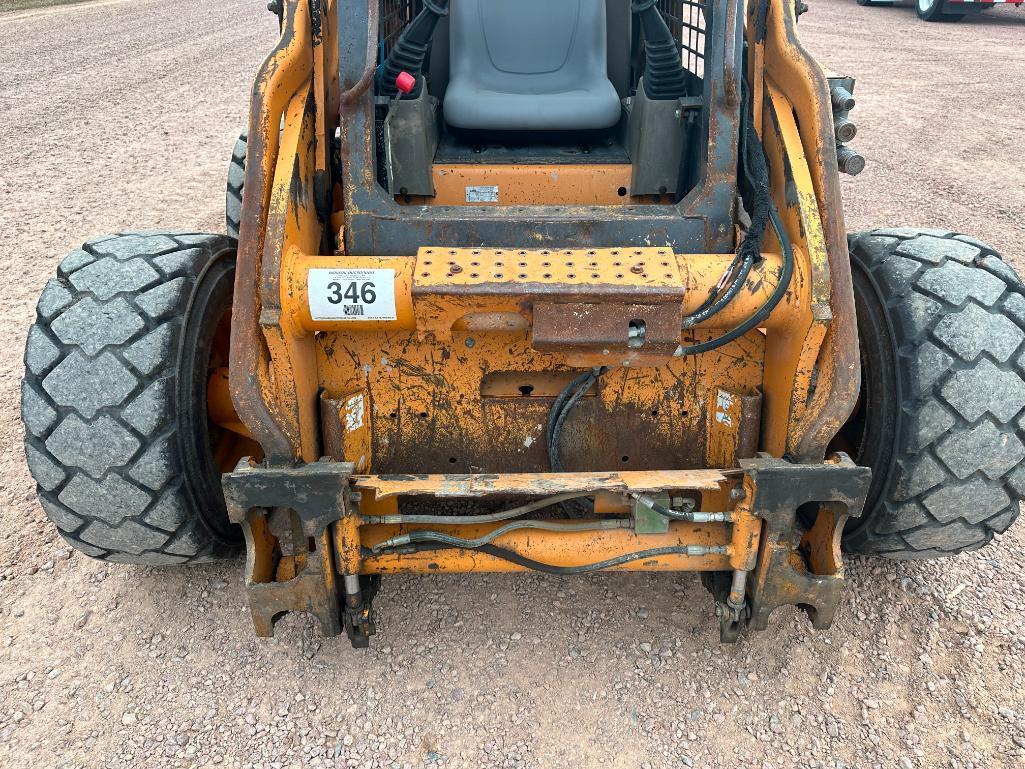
{"points": [[405, 82]]}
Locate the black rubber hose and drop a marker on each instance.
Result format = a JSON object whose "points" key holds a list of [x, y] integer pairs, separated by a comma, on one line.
{"points": [[411, 49], [712, 308], [529, 563], [664, 75], [553, 416], [560, 418], [756, 171], [785, 274]]}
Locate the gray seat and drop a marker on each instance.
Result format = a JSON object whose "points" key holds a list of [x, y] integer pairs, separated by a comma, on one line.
{"points": [[529, 65]]}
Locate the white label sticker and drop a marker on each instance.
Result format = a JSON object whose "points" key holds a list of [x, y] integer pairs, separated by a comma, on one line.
{"points": [[354, 413], [352, 294], [483, 194], [723, 407]]}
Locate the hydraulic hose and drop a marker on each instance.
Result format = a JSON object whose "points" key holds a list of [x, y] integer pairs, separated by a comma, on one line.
{"points": [[785, 275], [561, 409], [529, 563], [502, 515], [472, 544], [756, 171]]}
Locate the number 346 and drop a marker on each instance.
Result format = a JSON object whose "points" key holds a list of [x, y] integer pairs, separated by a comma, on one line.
{"points": [[354, 292]]}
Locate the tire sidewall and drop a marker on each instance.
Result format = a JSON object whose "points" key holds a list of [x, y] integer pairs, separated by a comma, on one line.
{"points": [[210, 299], [882, 389]]}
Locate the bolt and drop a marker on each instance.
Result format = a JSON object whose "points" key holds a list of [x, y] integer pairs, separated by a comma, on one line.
{"points": [[849, 160], [737, 493], [844, 130], [637, 269], [469, 342], [841, 98], [455, 268]]}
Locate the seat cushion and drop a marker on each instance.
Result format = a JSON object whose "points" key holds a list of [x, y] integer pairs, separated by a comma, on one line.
{"points": [[532, 65]]}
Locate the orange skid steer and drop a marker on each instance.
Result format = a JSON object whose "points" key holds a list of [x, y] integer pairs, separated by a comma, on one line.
{"points": [[543, 286]]}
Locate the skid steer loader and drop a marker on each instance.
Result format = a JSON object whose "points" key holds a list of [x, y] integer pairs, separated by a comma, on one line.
{"points": [[556, 286]]}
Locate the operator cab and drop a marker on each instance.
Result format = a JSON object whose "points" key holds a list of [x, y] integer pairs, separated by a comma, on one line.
{"points": [[475, 101]]}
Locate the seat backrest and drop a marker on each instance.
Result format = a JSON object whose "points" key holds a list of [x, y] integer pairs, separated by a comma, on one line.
{"points": [[618, 22], [540, 59]]}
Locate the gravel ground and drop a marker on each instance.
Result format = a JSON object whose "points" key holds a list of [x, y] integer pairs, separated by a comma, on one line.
{"points": [[121, 115]]}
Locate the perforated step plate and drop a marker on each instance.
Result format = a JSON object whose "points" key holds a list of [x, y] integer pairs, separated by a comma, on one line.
{"points": [[651, 274]]}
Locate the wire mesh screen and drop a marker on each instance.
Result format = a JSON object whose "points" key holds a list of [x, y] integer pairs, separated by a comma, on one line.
{"points": [[686, 20], [395, 15]]}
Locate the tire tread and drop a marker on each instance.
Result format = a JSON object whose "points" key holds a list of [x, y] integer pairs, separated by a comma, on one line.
{"points": [[94, 453], [953, 485]]}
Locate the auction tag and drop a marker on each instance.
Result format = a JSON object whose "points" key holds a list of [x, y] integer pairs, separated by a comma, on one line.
{"points": [[351, 294]]}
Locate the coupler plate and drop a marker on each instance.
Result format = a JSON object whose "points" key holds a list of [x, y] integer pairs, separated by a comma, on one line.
{"points": [[768, 534]]}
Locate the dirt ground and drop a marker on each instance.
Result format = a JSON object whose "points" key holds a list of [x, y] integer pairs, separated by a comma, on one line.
{"points": [[121, 115]]}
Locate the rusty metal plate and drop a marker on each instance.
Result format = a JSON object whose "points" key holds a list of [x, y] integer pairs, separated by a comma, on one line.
{"points": [[607, 327], [538, 484]]}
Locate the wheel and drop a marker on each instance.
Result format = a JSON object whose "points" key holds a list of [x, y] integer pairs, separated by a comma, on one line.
{"points": [[932, 10], [940, 419], [114, 398], [875, 2], [236, 181]]}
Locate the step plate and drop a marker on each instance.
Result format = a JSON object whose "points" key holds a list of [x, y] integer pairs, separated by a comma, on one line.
{"points": [[651, 273]]}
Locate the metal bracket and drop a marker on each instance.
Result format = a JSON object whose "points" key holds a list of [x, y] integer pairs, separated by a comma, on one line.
{"points": [[646, 519], [790, 571], [807, 573], [298, 575]]}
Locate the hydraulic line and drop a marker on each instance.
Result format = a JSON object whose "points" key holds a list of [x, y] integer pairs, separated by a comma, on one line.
{"points": [[473, 544], [756, 171], [561, 409], [785, 274], [528, 563], [556, 411], [713, 305], [502, 515], [690, 514]]}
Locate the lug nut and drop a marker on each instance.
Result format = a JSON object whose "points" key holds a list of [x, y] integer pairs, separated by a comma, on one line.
{"points": [[848, 160], [844, 130], [842, 98]]}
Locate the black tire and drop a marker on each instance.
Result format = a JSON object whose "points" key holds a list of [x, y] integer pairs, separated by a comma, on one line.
{"points": [[940, 420], [875, 2], [114, 397], [236, 181], [932, 10]]}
